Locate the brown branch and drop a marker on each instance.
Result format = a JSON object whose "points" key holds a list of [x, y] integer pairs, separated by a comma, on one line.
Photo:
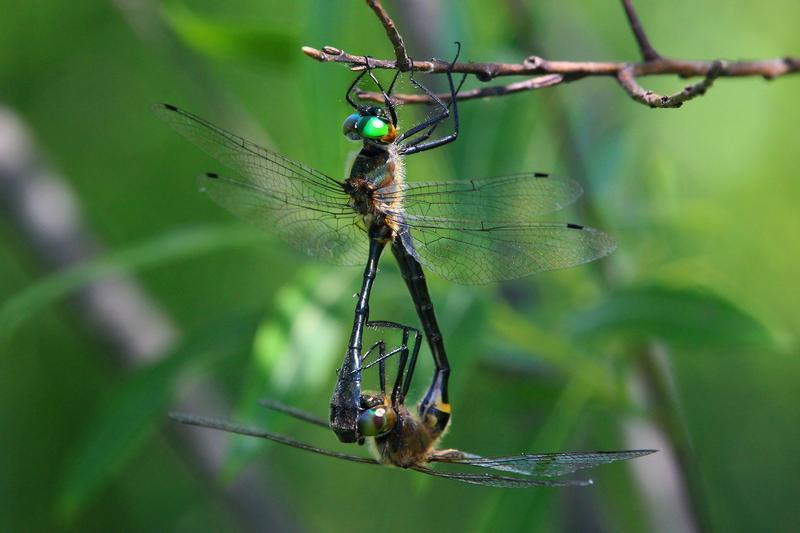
{"points": [[627, 79], [648, 52], [569, 71], [403, 61], [550, 73], [539, 82]]}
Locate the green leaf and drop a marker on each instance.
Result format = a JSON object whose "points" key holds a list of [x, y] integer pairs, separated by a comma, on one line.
{"points": [[692, 317], [294, 354], [137, 407], [232, 41], [178, 244]]}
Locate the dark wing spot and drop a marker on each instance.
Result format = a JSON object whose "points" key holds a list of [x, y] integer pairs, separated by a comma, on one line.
{"points": [[170, 107], [212, 175], [541, 175], [574, 226]]}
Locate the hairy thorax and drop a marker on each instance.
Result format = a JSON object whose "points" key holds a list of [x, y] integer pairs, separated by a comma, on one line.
{"points": [[375, 168]]}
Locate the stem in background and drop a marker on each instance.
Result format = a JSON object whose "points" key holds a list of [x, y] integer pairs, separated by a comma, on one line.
{"points": [[119, 312], [686, 497], [648, 52], [668, 414]]}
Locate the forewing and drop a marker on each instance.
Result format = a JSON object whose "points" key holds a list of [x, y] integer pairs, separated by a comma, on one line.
{"points": [[306, 208], [489, 480], [294, 412], [224, 425], [516, 198], [475, 252], [543, 464], [333, 235]]}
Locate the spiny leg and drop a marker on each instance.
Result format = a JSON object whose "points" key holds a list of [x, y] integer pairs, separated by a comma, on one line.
{"points": [[387, 101], [352, 88], [433, 121], [425, 136], [404, 377]]}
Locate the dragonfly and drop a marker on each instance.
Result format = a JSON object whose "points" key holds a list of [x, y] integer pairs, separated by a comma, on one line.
{"points": [[472, 232], [402, 438]]}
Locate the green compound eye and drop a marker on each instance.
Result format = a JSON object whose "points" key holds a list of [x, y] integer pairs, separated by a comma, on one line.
{"points": [[375, 422], [372, 127]]}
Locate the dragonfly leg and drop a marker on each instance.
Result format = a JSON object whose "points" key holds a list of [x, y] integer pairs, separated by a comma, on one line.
{"points": [[381, 345], [425, 136], [403, 379], [386, 99], [348, 95], [434, 121], [380, 361]]}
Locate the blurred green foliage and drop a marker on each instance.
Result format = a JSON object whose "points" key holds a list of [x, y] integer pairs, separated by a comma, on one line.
{"points": [[702, 200]]}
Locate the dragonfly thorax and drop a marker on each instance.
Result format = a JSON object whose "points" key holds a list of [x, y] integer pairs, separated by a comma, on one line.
{"points": [[408, 443], [361, 195]]}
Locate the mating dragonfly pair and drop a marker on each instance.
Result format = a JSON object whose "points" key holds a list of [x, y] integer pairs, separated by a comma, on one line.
{"points": [[475, 231]]}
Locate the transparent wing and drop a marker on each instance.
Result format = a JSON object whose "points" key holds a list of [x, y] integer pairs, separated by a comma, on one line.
{"points": [[294, 412], [540, 464], [306, 208], [489, 480], [335, 236], [224, 425], [516, 198], [476, 252]]}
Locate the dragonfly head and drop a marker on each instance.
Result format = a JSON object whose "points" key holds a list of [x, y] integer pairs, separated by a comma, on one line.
{"points": [[377, 417], [370, 124]]}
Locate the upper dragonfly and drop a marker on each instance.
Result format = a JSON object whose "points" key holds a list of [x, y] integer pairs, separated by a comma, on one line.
{"points": [[472, 231]]}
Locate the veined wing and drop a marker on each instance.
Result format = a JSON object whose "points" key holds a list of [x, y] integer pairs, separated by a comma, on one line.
{"points": [[516, 198], [540, 464], [490, 480], [224, 425], [306, 208], [333, 235], [294, 412], [474, 252]]}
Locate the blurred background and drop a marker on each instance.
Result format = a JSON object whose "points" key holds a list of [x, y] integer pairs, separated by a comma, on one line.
{"points": [[126, 293]]}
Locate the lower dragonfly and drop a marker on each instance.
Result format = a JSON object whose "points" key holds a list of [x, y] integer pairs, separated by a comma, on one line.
{"points": [[474, 231], [407, 440]]}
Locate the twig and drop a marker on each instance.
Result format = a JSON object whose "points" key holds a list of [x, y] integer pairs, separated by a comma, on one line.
{"points": [[648, 52], [568, 70], [538, 82], [649, 98], [550, 73], [403, 61]]}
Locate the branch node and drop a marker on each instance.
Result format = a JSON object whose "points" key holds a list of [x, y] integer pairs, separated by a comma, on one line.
{"points": [[533, 62], [331, 50]]}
